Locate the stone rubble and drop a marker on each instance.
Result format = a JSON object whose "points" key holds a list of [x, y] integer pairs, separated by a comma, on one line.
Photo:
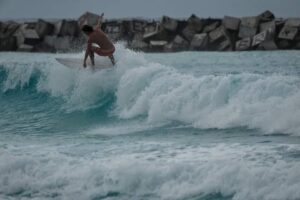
{"points": [[261, 32]]}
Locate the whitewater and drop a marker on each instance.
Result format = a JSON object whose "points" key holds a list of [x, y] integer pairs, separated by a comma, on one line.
{"points": [[187, 125]]}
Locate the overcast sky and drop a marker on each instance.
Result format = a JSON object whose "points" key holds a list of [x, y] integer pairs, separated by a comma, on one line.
{"points": [[145, 8]]}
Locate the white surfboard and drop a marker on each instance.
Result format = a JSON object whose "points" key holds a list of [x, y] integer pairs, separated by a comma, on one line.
{"points": [[77, 63]]}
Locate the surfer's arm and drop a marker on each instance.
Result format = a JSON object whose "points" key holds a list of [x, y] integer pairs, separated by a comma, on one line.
{"points": [[98, 26]]}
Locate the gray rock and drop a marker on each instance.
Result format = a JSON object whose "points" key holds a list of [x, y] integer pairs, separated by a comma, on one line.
{"points": [[261, 37], [268, 26], [217, 35], [297, 46], [284, 44], [151, 27], [293, 22], [44, 28], [266, 16], [248, 27], [59, 43], [231, 23], [178, 44], [27, 36], [157, 35], [199, 41], [210, 27], [268, 45], [158, 45], [243, 44], [288, 33], [138, 26], [194, 26], [69, 28], [8, 29], [169, 24], [25, 48], [8, 43], [137, 43], [195, 22], [114, 29], [224, 46]]}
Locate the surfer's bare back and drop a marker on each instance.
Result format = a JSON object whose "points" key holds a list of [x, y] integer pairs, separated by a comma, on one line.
{"points": [[98, 43]]}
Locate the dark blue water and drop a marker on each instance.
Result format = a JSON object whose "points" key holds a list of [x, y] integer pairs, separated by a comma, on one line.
{"points": [[191, 125]]}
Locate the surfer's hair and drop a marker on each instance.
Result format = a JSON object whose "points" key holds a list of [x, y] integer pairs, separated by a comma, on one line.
{"points": [[87, 29]]}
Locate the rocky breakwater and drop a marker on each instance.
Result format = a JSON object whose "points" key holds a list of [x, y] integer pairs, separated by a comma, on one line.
{"points": [[262, 32]]}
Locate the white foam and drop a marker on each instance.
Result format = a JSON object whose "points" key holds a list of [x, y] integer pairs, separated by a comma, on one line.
{"points": [[268, 102], [242, 172]]}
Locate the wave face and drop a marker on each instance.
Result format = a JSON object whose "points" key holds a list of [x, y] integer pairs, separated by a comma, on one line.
{"points": [[260, 97]]}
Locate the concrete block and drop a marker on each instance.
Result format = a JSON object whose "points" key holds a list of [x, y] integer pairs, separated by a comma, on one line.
{"points": [[138, 45], [7, 29], [194, 26], [180, 41], [217, 35], [158, 43], [44, 28], [248, 27], [199, 41], [157, 35], [288, 33], [268, 26], [27, 36], [243, 44], [69, 28], [260, 38], [196, 23], [224, 46], [268, 45], [293, 22], [151, 27], [189, 32], [284, 44], [138, 26], [231, 23], [178, 44], [169, 24], [114, 29], [8, 43], [88, 18], [59, 43], [25, 48], [297, 46], [266, 16], [210, 27]]}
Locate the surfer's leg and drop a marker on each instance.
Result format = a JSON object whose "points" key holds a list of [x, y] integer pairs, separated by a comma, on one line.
{"points": [[92, 56], [103, 52], [112, 59]]}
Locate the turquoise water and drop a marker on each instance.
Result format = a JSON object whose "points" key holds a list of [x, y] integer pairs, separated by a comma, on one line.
{"points": [[190, 125]]}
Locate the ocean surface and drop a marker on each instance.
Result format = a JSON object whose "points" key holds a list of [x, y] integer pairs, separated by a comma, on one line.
{"points": [[174, 126]]}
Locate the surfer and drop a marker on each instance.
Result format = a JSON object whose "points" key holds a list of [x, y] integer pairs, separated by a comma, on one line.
{"points": [[98, 43]]}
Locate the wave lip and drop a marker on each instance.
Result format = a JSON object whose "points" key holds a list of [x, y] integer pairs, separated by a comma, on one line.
{"points": [[162, 94]]}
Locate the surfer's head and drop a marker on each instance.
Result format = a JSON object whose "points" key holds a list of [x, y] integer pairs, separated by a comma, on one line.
{"points": [[87, 29]]}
